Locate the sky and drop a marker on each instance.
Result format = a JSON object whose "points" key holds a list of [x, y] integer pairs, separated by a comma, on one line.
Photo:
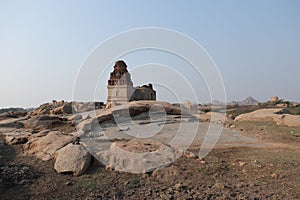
{"points": [[255, 45]]}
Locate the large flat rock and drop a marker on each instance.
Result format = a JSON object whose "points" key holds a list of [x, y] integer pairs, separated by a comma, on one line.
{"points": [[127, 111], [137, 155], [276, 115], [17, 137], [259, 115]]}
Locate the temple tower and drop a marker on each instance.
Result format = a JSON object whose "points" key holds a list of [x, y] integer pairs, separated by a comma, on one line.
{"points": [[120, 87], [121, 90]]}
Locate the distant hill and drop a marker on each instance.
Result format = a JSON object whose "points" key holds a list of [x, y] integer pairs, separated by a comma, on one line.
{"points": [[249, 101]]}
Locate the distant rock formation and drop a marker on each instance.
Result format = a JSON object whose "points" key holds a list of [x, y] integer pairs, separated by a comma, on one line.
{"points": [[62, 107], [249, 101], [274, 99]]}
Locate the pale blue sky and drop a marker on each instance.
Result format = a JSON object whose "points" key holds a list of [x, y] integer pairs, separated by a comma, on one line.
{"points": [[255, 44]]}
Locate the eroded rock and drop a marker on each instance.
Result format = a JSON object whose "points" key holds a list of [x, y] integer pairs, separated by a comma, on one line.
{"points": [[137, 156], [72, 158], [13, 138], [42, 122], [276, 115], [259, 115], [66, 108], [45, 147], [12, 123], [123, 112]]}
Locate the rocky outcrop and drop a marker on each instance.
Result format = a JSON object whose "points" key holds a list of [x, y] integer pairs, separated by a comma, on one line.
{"points": [[249, 101], [137, 156], [43, 122], [279, 116], [9, 115], [15, 137], [79, 107], [129, 110], [72, 158], [75, 118], [43, 109], [63, 108], [45, 147], [13, 123], [259, 115], [54, 108]]}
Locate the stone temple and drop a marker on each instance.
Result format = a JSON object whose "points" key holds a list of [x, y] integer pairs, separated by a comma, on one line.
{"points": [[121, 89]]}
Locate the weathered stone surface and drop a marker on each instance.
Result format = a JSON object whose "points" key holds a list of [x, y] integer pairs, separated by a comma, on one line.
{"points": [[138, 107], [80, 107], [258, 115], [64, 109], [137, 156], [72, 158], [45, 147], [169, 108], [40, 134], [43, 109], [13, 138], [104, 116], [43, 122], [8, 115], [53, 108], [276, 115], [61, 107], [87, 125], [129, 110], [75, 118], [12, 123]]}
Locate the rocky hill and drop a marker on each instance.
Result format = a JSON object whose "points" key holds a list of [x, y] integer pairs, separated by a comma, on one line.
{"points": [[249, 101]]}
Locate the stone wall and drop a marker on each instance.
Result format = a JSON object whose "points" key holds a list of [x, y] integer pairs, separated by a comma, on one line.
{"points": [[145, 92]]}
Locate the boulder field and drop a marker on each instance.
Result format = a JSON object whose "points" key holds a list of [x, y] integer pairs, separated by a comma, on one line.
{"points": [[48, 135], [41, 136]]}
